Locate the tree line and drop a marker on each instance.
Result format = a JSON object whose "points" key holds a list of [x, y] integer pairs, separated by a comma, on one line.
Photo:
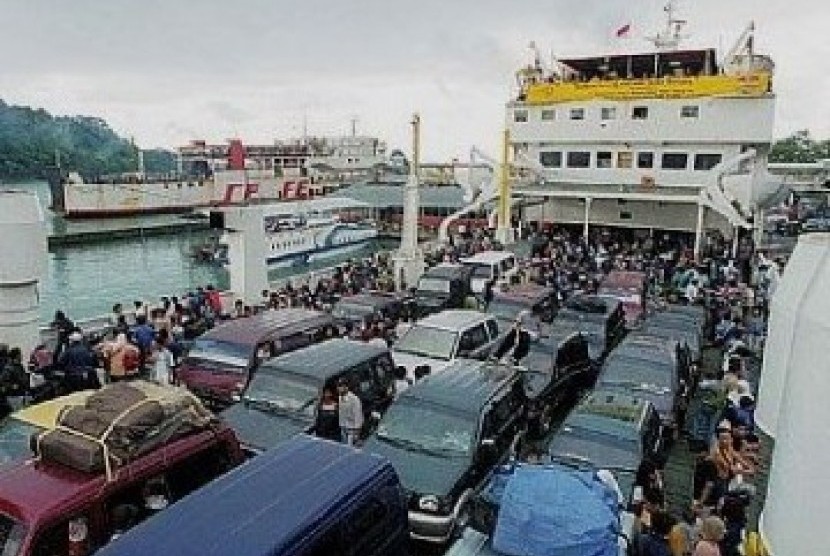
{"points": [[33, 140], [800, 147]]}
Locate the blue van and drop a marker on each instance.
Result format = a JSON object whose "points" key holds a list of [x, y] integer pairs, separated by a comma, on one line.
{"points": [[308, 497]]}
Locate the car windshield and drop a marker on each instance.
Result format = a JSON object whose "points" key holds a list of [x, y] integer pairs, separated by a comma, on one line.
{"points": [[482, 270], [635, 375], [438, 285], [428, 429], [505, 310], [229, 354], [426, 341], [14, 440], [12, 533], [282, 391], [352, 310]]}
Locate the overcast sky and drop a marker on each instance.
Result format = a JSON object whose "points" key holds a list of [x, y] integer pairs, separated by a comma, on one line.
{"points": [[167, 71]]}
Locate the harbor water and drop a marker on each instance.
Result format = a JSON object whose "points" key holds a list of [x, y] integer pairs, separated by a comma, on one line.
{"points": [[85, 280]]}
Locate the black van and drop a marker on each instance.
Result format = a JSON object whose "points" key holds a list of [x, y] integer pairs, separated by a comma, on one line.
{"points": [[309, 497], [601, 320], [444, 286], [444, 434], [282, 398]]}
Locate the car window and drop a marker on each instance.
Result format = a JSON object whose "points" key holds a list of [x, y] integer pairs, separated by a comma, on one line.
{"points": [[292, 342], [55, 540], [330, 544], [493, 328], [366, 526], [363, 377], [197, 470], [384, 370], [472, 339]]}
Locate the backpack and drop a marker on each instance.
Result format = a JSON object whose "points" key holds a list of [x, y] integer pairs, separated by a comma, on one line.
{"points": [[132, 360]]}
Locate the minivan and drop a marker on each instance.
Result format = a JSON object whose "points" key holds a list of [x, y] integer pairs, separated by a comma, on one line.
{"points": [[444, 434], [496, 266], [47, 508], [282, 398], [309, 497], [445, 286], [221, 361]]}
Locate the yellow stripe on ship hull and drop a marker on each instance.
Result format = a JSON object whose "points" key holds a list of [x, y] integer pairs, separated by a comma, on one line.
{"points": [[749, 85]]}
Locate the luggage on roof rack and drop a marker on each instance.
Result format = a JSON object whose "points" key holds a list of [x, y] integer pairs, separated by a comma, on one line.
{"points": [[119, 423]]}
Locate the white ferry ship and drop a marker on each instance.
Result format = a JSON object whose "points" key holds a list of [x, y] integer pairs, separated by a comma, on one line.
{"points": [[301, 232], [669, 139], [224, 175]]}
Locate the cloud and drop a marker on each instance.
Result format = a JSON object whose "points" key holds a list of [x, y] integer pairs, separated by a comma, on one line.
{"points": [[166, 70]]}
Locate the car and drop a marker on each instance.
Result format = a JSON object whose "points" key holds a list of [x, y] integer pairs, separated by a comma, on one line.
{"points": [[650, 370], [444, 434], [435, 341], [555, 370], [48, 508], [680, 331], [498, 267], [444, 286], [282, 398], [629, 287], [308, 497], [601, 321], [19, 427], [511, 301], [545, 509], [610, 430], [221, 362], [355, 310]]}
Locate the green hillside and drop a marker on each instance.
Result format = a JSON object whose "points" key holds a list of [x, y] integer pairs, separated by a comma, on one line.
{"points": [[30, 140]]}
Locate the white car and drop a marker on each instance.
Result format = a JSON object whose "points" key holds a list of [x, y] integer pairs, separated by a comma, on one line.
{"points": [[437, 340], [498, 266]]}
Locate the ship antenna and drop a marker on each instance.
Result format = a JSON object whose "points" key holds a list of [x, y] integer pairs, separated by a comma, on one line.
{"points": [[671, 36]]}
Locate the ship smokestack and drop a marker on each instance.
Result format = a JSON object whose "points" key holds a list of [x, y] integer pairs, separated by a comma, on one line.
{"points": [[236, 155]]}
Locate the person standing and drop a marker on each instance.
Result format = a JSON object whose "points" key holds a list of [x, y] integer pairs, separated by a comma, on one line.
{"points": [[327, 423], [163, 361], [350, 414]]}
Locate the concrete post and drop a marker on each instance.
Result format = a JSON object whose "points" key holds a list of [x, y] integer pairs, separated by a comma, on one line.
{"points": [[23, 248], [586, 221], [247, 253], [699, 231]]}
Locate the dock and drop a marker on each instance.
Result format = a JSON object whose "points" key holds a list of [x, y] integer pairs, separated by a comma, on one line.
{"points": [[68, 234]]}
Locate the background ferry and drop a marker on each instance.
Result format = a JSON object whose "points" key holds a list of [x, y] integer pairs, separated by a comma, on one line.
{"points": [[224, 175], [300, 232]]}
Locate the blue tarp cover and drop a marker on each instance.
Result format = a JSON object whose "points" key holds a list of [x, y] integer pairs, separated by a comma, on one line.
{"points": [[551, 511]]}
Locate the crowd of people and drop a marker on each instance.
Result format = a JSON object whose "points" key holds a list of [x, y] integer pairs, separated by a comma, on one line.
{"points": [[734, 286]]}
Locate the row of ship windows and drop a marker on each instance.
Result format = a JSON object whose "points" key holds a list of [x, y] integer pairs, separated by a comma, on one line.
{"points": [[293, 242], [605, 113], [287, 244], [627, 159]]}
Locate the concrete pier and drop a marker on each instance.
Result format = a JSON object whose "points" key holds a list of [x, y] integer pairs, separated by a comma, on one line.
{"points": [[23, 252]]}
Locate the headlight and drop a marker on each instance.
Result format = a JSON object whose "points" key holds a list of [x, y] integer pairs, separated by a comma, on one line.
{"points": [[429, 503]]}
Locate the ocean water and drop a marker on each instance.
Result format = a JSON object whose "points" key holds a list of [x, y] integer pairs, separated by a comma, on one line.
{"points": [[86, 280]]}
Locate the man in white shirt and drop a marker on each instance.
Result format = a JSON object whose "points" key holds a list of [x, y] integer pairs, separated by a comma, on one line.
{"points": [[350, 414]]}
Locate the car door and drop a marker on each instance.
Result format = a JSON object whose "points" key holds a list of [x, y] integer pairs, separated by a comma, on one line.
{"points": [[474, 341]]}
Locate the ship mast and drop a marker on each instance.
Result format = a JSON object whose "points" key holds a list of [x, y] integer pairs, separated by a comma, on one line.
{"points": [[671, 37]]}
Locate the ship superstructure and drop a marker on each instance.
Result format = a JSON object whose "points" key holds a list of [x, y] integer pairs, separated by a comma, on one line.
{"points": [[225, 174], [647, 140]]}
